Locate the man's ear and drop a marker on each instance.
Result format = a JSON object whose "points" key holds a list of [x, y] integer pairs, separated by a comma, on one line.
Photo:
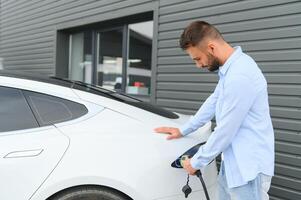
{"points": [[211, 48]]}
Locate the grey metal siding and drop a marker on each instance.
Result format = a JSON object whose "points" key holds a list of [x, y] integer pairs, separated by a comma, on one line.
{"points": [[269, 31], [28, 28]]}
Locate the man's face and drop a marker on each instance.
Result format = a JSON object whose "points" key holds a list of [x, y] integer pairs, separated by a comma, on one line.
{"points": [[203, 59]]}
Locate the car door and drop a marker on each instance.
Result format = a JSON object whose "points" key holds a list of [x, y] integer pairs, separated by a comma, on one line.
{"points": [[28, 152]]}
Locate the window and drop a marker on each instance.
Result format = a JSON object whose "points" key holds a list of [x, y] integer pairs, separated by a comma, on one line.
{"points": [[80, 56], [139, 60], [115, 54], [124, 58], [109, 59], [15, 113], [50, 110], [1, 65]]}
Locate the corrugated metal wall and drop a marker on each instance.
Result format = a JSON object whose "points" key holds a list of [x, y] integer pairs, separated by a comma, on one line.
{"points": [[269, 31], [28, 27]]}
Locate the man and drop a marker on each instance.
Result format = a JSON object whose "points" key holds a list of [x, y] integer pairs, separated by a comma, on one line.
{"points": [[244, 133]]}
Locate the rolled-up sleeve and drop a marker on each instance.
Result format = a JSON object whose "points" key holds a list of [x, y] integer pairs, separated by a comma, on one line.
{"points": [[238, 97]]}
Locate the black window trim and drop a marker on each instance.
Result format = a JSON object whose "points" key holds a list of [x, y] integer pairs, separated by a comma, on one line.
{"points": [[26, 99]]}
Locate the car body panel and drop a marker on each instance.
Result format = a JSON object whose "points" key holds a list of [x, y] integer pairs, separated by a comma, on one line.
{"points": [[113, 145], [131, 143], [27, 158]]}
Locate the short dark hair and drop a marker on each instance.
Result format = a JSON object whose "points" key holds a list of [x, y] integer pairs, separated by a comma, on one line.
{"points": [[196, 32]]}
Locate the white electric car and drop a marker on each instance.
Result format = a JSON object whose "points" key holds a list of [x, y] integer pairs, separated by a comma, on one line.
{"points": [[66, 140]]}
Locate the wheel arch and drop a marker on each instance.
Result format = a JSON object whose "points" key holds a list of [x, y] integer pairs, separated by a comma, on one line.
{"points": [[90, 186], [55, 186]]}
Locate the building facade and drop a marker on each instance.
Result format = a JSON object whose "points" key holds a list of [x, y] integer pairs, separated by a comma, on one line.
{"points": [[132, 46]]}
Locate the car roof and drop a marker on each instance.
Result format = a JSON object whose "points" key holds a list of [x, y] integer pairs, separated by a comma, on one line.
{"points": [[65, 82], [35, 77], [61, 82], [91, 89]]}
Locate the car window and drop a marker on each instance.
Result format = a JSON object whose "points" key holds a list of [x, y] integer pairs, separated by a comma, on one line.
{"points": [[15, 113], [51, 110]]}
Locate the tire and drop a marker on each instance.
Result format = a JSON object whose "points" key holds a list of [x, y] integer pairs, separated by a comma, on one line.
{"points": [[90, 193]]}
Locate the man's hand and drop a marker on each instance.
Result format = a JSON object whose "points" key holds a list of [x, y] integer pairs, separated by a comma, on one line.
{"points": [[172, 132], [187, 166]]}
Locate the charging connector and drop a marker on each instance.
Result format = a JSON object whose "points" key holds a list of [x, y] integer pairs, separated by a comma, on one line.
{"points": [[186, 188]]}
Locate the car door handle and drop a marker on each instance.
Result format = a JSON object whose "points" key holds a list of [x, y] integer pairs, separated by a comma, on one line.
{"points": [[25, 153]]}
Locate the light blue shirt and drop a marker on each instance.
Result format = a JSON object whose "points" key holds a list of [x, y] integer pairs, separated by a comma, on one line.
{"points": [[244, 132]]}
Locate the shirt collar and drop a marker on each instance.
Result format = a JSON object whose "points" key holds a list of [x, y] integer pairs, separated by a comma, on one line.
{"points": [[223, 69]]}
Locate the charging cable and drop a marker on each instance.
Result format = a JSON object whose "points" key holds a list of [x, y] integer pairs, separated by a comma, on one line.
{"points": [[186, 188], [199, 174]]}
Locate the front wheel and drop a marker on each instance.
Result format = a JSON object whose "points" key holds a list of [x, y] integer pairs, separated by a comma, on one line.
{"points": [[89, 193]]}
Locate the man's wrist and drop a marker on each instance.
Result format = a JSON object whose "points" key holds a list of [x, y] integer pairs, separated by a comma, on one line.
{"points": [[185, 131], [194, 163]]}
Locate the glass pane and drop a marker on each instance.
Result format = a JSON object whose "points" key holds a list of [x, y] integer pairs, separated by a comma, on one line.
{"points": [[139, 61], [109, 61], [80, 65], [1, 65], [15, 113], [50, 110]]}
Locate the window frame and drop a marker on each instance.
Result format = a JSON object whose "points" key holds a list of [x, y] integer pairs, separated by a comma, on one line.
{"points": [[146, 13], [125, 52], [95, 52]]}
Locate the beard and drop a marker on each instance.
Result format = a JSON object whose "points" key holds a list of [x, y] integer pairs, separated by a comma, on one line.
{"points": [[213, 63]]}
